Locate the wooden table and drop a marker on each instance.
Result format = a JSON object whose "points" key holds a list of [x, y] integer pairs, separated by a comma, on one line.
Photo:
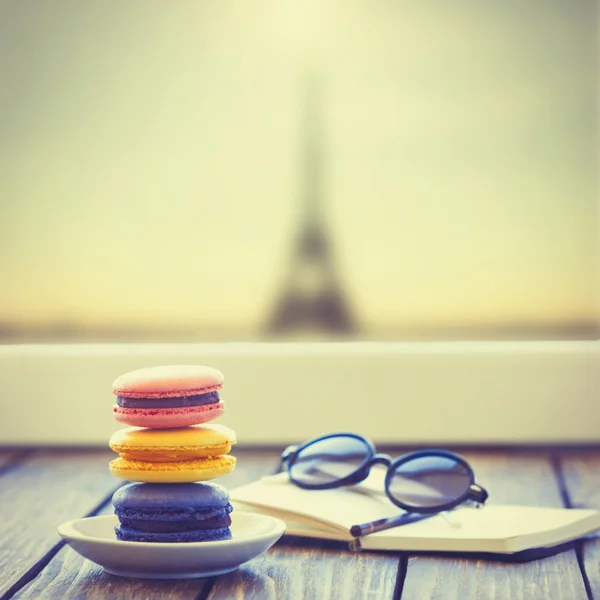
{"points": [[41, 488]]}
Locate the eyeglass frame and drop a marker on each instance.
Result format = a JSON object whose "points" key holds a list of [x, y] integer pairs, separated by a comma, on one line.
{"points": [[473, 492]]}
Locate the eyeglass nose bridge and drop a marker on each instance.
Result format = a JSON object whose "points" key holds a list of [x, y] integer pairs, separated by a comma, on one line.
{"points": [[363, 472], [381, 459]]}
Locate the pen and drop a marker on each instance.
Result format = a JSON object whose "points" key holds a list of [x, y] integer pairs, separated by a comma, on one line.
{"points": [[381, 524]]}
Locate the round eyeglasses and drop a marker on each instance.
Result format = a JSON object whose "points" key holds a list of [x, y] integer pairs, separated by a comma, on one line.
{"points": [[424, 481]]}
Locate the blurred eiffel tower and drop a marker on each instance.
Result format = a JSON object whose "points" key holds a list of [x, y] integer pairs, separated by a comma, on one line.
{"points": [[312, 297]]}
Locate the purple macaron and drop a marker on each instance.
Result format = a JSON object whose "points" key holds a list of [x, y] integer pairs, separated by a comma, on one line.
{"points": [[175, 512]]}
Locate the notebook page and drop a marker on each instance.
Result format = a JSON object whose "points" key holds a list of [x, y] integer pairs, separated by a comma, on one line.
{"points": [[494, 528], [341, 508]]}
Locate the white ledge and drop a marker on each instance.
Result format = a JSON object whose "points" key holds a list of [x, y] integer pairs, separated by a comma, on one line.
{"points": [[302, 348], [276, 393]]}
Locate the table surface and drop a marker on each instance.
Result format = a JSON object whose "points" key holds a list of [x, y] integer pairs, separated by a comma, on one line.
{"points": [[39, 489]]}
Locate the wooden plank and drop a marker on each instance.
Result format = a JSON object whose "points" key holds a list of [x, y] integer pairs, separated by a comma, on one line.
{"points": [[10, 459], [39, 494], [526, 478], [299, 568], [580, 474], [304, 569], [68, 575]]}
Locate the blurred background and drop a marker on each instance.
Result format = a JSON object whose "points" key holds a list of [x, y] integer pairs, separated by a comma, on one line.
{"points": [[211, 171]]}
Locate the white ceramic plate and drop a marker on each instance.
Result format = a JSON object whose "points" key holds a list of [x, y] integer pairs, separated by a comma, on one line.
{"points": [[94, 538]]}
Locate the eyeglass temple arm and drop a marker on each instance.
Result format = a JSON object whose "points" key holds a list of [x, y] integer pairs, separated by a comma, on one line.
{"points": [[478, 494], [285, 456]]}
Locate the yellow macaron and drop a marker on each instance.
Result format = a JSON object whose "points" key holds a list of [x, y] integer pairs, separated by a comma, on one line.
{"points": [[168, 445], [183, 454], [184, 471]]}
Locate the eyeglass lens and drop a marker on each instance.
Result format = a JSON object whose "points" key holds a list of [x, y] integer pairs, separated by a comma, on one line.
{"points": [[429, 481], [329, 460]]}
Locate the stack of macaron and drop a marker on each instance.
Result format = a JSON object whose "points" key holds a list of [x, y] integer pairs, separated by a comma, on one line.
{"points": [[169, 449]]}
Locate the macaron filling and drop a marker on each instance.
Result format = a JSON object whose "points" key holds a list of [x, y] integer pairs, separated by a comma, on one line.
{"points": [[173, 514], [167, 393], [171, 454], [169, 402]]}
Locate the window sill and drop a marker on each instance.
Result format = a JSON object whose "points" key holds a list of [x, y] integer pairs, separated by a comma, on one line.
{"points": [[396, 393]]}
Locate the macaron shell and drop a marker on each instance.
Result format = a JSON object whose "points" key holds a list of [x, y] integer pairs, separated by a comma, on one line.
{"points": [[128, 534], [158, 526], [182, 437], [166, 418], [174, 502], [168, 381], [172, 472]]}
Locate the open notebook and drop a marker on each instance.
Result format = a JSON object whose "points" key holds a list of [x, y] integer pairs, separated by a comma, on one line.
{"points": [[493, 529]]}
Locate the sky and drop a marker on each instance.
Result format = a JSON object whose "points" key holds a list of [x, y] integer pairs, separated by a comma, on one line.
{"points": [[151, 172]]}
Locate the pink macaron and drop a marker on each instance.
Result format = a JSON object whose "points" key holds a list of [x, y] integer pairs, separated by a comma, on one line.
{"points": [[168, 396]]}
